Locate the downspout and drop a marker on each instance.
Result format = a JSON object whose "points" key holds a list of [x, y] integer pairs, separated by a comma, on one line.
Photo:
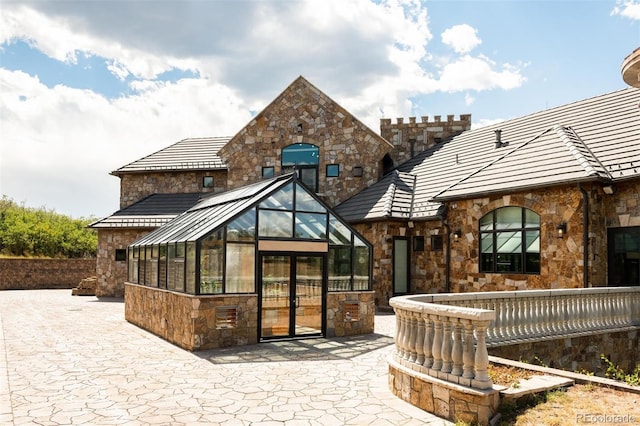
{"points": [[447, 256], [585, 237]]}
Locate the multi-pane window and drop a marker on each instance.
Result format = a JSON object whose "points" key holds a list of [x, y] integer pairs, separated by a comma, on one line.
{"points": [[304, 158], [510, 241]]}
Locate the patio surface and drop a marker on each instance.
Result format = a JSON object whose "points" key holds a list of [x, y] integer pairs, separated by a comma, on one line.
{"points": [[75, 360]]}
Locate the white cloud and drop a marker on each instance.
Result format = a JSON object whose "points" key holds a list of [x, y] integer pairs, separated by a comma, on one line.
{"points": [[628, 9], [461, 38], [61, 142], [468, 99]]}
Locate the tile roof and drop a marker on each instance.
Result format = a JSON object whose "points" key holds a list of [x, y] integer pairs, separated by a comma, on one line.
{"points": [[151, 212], [187, 154], [593, 139]]}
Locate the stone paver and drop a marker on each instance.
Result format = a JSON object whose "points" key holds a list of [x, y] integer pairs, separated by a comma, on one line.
{"points": [[75, 360]]}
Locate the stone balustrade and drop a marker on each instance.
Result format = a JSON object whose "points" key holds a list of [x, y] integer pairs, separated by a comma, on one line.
{"points": [[447, 335], [438, 340]]}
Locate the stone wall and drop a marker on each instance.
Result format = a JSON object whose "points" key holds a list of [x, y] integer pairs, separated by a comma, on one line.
{"points": [[561, 263], [427, 267], [444, 399], [623, 206], [303, 114], [30, 274], [578, 353], [112, 274], [194, 322], [410, 138], [135, 186]]}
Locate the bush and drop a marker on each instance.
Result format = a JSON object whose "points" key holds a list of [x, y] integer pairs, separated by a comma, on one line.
{"points": [[43, 233]]}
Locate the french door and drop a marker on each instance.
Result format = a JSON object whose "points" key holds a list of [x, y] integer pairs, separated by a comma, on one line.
{"points": [[291, 301]]}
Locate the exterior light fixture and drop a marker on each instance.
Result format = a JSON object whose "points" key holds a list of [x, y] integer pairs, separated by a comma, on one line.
{"points": [[608, 189], [456, 235], [299, 128], [561, 229]]}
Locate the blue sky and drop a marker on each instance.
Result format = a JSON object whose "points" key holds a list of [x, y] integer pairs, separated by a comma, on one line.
{"points": [[88, 86]]}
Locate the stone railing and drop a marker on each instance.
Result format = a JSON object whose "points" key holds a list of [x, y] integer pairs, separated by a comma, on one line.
{"points": [[536, 315], [438, 340], [447, 335]]}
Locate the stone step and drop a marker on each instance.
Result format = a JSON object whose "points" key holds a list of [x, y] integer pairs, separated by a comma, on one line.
{"points": [[535, 384]]}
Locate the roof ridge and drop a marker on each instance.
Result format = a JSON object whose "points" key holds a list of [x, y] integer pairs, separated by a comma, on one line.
{"points": [[391, 193], [580, 150]]}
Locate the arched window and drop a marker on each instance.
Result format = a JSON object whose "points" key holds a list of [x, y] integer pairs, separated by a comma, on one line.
{"points": [[510, 241], [305, 158]]}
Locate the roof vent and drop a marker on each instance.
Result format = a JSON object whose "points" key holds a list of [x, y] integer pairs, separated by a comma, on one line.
{"points": [[499, 143]]}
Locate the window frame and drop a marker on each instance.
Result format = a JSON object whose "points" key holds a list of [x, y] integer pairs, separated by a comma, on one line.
{"points": [[206, 180], [522, 231]]}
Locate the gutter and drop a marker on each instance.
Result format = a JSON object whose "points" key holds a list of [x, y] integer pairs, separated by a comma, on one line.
{"points": [[585, 236]]}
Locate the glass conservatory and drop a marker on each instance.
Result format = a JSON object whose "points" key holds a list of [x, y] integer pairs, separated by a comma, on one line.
{"points": [[274, 241]]}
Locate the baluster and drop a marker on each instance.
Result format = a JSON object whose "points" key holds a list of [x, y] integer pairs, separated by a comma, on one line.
{"points": [[599, 311], [499, 321], [591, 311], [456, 352], [406, 333], [428, 342], [573, 313], [538, 317], [437, 343], [555, 315], [401, 335], [420, 340], [481, 380], [398, 333], [446, 345], [509, 319], [413, 354], [548, 316], [527, 316], [563, 320], [468, 354]]}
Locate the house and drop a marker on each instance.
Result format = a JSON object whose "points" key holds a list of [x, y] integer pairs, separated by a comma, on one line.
{"points": [[548, 200]]}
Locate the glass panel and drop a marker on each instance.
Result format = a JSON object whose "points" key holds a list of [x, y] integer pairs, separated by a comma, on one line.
{"points": [[275, 224], [305, 202], [509, 218], [268, 172], [400, 266], [148, 270], [243, 228], [308, 302], [509, 242], [486, 262], [508, 262], [179, 267], [339, 268], [486, 243], [171, 266], [532, 263], [163, 266], [333, 170], [311, 225], [361, 267], [308, 177], [533, 241], [240, 276], [300, 154], [486, 223], [282, 199], [211, 263], [276, 280], [338, 232], [191, 268], [531, 219]]}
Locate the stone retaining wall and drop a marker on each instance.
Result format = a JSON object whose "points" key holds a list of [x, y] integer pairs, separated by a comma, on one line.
{"points": [[578, 353], [31, 274]]}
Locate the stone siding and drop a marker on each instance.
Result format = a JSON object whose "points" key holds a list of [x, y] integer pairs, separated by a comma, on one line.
{"points": [[341, 138], [561, 259], [427, 267], [135, 186], [112, 274], [623, 209], [190, 321], [444, 399], [410, 138], [30, 274], [578, 353]]}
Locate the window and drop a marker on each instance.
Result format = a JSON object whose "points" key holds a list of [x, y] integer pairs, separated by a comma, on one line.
{"points": [[436, 243], [418, 243], [357, 171], [121, 255], [333, 170], [304, 158], [207, 182], [510, 241], [268, 172]]}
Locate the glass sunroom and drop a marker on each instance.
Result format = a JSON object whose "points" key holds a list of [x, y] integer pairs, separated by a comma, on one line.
{"points": [[271, 251]]}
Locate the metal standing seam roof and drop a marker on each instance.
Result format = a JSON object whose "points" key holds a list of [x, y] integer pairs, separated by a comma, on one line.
{"points": [[213, 212], [150, 212], [187, 154], [596, 138]]}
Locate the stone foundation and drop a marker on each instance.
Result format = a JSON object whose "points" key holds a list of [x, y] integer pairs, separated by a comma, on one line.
{"points": [[210, 322], [578, 353], [444, 399]]}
